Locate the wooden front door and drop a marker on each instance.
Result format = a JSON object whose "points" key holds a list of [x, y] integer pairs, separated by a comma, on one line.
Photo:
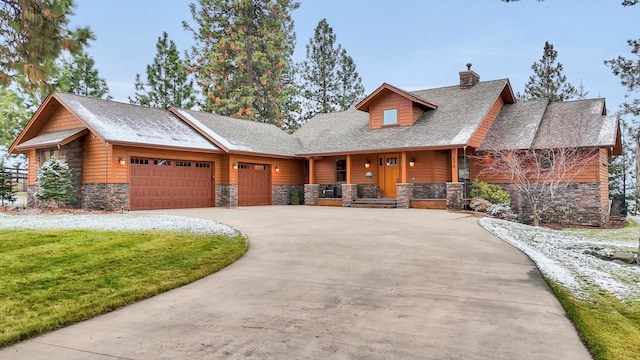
{"points": [[388, 171]]}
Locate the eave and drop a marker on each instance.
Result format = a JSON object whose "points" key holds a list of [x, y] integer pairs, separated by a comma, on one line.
{"points": [[364, 104]]}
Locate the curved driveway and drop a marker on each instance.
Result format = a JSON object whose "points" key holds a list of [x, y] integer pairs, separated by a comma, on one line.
{"points": [[339, 283]]}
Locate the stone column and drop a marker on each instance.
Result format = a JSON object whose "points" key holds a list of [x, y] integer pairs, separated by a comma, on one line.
{"points": [[349, 193], [455, 196], [311, 193], [404, 193], [226, 195]]}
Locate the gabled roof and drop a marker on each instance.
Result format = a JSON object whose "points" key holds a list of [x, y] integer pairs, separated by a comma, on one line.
{"points": [[52, 139], [538, 124], [243, 136], [117, 122], [453, 123], [364, 104]]}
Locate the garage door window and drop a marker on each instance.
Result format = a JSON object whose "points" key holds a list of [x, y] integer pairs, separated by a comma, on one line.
{"points": [[140, 161], [162, 162], [183, 163]]}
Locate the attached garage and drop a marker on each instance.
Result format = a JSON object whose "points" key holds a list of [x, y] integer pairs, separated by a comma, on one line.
{"points": [[170, 184], [254, 184]]}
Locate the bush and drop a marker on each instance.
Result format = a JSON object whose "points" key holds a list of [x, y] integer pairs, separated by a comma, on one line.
{"points": [[491, 192], [295, 197], [54, 184], [479, 204], [7, 195], [501, 211]]}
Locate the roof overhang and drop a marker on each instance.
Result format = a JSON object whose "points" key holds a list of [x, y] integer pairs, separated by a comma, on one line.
{"points": [[52, 139], [364, 104]]}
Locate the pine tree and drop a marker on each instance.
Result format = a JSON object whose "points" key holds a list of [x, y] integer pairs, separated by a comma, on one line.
{"points": [[54, 184], [14, 115], [79, 76], [33, 34], [242, 53], [7, 194], [547, 80], [168, 82], [329, 76]]}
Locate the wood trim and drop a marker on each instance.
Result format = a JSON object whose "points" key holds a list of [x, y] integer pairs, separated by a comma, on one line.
{"points": [[383, 151], [311, 170], [348, 169], [364, 104], [403, 167], [216, 142], [454, 165]]}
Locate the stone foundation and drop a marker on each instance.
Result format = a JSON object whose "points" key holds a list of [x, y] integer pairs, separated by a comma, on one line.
{"points": [[105, 196], [281, 194], [368, 191], [311, 193], [349, 193], [429, 191], [226, 195], [455, 196], [403, 195]]}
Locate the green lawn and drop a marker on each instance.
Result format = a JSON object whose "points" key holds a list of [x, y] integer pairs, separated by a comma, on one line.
{"points": [[52, 278]]}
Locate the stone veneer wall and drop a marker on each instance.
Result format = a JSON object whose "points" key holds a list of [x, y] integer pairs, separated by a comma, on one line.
{"points": [[404, 191], [226, 195], [281, 194], [311, 193], [429, 191], [72, 155], [455, 196], [349, 193], [105, 196], [577, 205], [368, 191]]}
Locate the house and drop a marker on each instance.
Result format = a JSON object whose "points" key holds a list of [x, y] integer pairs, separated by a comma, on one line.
{"points": [[417, 148]]}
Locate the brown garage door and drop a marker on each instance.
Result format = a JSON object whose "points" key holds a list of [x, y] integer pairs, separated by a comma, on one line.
{"points": [[170, 184], [254, 187]]}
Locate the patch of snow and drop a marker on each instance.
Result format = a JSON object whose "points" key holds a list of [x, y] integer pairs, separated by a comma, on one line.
{"points": [[220, 139], [116, 222], [464, 135], [608, 131], [565, 258]]}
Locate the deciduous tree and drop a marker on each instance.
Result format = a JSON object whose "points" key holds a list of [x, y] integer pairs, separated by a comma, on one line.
{"points": [[547, 80], [168, 82], [33, 34], [242, 53], [79, 76]]}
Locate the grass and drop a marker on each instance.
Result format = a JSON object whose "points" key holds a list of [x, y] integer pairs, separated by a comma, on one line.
{"points": [[50, 279], [609, 327], [629, 233]]}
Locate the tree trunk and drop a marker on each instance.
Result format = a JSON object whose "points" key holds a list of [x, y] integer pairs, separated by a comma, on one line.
{"points": [[637, 163], [638, 254], [536, 216]]}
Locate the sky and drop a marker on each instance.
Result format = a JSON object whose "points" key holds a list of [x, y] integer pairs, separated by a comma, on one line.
{"points": [[411, 44]]}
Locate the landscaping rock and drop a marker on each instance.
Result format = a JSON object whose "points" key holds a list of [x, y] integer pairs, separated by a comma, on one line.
{"points": [[623, 256]]}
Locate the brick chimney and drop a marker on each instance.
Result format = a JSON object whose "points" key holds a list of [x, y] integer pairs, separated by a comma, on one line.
{"points": [[468, 78]]}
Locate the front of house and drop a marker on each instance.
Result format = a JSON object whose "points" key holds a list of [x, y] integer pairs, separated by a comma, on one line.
{"points": [[417, 149]]}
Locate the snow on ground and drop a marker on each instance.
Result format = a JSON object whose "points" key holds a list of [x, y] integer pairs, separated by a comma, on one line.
{"points": [[565, 258], [119, 222]]}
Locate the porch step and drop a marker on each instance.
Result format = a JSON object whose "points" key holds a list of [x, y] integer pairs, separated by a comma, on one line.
{"points": [[374, 203]]}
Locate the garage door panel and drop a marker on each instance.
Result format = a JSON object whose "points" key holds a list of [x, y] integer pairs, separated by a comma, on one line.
{"points": [[177, 184], [254, 185]]}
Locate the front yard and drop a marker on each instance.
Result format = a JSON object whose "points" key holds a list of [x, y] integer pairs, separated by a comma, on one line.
{"points": [[601, 297], [57, 270]]}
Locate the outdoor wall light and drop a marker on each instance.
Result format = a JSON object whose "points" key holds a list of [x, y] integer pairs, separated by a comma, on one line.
{"points": [[277, 169], [367, 164], [235, 166], [412, 162], [122, 161]]}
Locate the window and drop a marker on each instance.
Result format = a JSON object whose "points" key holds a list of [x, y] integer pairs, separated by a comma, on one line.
{"points": [[139, 161], [392, 161], [183, 163], [463, 168], [162, 162], [341, 170], [390, 117], [47, 154]]}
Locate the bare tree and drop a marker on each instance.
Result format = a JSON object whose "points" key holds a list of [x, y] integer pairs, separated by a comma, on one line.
{"points": [[544, 172]]}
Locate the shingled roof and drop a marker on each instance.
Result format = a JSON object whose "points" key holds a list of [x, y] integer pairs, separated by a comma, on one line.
{"points": [[237, 135], [453, 123], [516, 126], [126, 123]]}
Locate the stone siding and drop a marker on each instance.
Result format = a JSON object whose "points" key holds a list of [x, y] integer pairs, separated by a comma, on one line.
{"points": [[281, 194], [105, 196], [429, 191], [577, 205], [403, 195], [455, 196], [226, 195], [311, 193], [72, 155], [368, 191], [349, 193]]}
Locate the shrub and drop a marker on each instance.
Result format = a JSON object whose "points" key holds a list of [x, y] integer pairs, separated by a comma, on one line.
{"points": [[295, 197], [491, 192], [501, 211], [6, 186], [54, 184], [479, 204]]}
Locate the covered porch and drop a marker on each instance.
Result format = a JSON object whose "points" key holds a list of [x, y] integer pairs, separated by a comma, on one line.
{"points": [[429, 178]]}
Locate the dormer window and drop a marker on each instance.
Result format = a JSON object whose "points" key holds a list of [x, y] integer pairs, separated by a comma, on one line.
{"points": [[390, 117]]}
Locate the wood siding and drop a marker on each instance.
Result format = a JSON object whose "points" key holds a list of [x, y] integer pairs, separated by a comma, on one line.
{"points": [[487, 121], [291, 170], [61, 119], [417, 112], [390, 100], [604, 177], [358, 171], [95, 168], [31, 175], [325, 169], [432, 166]]}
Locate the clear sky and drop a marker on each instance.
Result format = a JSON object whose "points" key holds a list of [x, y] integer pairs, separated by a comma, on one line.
{"points": [[410, 44]]}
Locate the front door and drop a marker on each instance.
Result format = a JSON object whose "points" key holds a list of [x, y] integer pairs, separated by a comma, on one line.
{"points": [[388, 174]]}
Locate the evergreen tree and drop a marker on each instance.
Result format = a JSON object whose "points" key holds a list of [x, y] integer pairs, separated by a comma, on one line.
{"points": [[243, 51], [547, 80], [7, 194], [33, 34], [581, 92], [329, 75], [79, 76], [54, 184], [168, 81], [14, 115], [628, 70]]}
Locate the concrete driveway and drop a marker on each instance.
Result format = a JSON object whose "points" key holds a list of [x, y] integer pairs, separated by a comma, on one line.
{"points": [[339, 283]]}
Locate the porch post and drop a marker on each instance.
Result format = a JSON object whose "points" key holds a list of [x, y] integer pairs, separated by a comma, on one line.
{"points": [[311, 170], [403, 168], [454, 165], [348, 169]]}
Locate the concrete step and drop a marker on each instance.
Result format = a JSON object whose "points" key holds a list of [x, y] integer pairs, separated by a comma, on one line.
{"points": [[374, 203], [374, 206]]}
